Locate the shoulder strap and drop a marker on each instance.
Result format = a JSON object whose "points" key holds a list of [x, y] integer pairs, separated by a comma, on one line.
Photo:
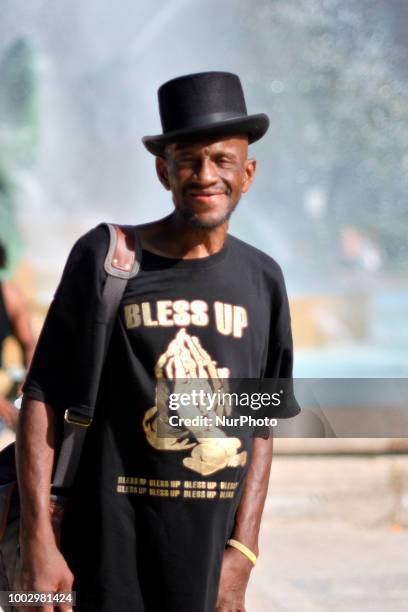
{"points": [[122, 262], [125, 251]]}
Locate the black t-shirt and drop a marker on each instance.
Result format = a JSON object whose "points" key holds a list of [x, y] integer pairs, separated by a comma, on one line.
{"points": [[151, 515]]}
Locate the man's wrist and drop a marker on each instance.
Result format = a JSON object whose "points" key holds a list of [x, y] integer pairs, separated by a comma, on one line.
{"points": [[243, 549], [38, 529], [248, 537]]}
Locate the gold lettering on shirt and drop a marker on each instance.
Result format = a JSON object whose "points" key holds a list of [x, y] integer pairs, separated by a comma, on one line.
{"points": [[240, 321], [148, 320], [181, 313], [230, 320], [199, 314], [132, 315], [223, 318], [164, 313], [189, 489]]}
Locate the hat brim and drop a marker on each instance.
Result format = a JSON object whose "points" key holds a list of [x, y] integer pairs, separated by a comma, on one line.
{"points": [[255, 126]]}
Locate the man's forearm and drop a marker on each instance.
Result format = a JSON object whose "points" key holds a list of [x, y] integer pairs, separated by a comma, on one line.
{"points": [[35, 445], [249, 513]]}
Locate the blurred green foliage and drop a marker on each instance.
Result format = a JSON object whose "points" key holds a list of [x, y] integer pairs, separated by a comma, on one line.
{"points": [[328, 69], [18, 137]]}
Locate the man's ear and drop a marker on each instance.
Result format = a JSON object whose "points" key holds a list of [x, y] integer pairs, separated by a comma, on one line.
{"points": [[249, 173], [161, 169]]}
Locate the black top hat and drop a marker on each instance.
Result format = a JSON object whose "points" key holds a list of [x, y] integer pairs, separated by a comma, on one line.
{"points": [[205, 104]]}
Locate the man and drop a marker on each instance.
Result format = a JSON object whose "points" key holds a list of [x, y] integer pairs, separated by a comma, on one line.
{"points": [[151, 515]]}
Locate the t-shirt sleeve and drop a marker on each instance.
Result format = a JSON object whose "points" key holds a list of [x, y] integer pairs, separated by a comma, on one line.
{"points": [[278, 371], [57, 374]]}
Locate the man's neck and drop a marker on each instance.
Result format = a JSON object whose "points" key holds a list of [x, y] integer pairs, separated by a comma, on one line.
{"points": [[175, 238]]}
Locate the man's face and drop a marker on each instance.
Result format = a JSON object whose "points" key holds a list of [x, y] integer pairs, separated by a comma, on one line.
{"points": [[206, 178]]}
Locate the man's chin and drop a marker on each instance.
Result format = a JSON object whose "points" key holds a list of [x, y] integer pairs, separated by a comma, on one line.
{"points": [[208, 222]]}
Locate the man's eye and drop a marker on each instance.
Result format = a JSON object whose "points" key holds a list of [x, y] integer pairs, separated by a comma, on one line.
{"points": [[185, 160], [224, 161]]}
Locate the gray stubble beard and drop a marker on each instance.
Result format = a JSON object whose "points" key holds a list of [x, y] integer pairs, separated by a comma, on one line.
{"points": [[194, 222]]}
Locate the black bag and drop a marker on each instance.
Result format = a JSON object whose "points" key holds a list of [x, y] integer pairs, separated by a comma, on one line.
{"points": [[121, 263], [9, 517]]}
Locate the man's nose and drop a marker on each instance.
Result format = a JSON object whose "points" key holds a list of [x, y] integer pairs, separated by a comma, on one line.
{"points": [[206, 172]]}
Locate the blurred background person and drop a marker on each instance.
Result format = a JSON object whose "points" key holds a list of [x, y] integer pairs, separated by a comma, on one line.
{"points": [[15, 320]]}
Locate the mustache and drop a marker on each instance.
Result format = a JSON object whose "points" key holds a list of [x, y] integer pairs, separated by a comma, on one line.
{"points": [[195, 189]]}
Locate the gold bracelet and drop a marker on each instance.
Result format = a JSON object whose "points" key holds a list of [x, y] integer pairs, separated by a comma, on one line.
{"points": [[244, 549]]}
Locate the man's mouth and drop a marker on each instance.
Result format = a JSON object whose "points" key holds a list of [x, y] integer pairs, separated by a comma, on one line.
{"points": [[206, 196]]}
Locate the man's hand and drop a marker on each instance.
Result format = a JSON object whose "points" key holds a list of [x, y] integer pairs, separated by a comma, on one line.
{"points": [[42, 568], [235, 572]]}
